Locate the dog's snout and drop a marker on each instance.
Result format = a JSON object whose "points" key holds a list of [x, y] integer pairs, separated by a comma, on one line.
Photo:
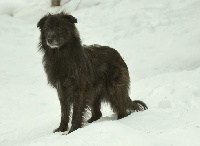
{"points": [[52, 41]]}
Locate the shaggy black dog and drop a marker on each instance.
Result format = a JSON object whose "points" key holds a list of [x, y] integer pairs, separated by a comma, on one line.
{"points": [[83, 76]]}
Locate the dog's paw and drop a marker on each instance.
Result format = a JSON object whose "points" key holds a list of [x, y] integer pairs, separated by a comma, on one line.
{"points": [[73, 128], [60, 129], [92, 119]]}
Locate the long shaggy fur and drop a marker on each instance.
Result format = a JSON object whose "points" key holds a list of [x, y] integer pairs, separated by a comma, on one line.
{"points": [[83, 76]]}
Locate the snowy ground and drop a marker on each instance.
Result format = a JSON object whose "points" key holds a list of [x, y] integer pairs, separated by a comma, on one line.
{"points": [[159, 40]]}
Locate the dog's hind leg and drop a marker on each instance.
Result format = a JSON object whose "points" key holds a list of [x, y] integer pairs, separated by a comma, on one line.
{"points": [[96, 113], [119, 104], [118, 87]]}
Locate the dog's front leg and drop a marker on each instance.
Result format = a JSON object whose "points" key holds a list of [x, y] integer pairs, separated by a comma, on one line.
{"points": [[65, 111], [79, 106]]}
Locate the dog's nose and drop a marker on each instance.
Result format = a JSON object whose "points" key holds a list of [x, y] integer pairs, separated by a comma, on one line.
{"points": [[50, 40]]}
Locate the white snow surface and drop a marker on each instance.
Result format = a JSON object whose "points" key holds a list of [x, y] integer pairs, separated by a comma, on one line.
{"points": [[160, 42]]}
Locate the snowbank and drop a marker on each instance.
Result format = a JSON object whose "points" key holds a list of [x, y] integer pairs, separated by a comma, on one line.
{"points": [[159, 40]]}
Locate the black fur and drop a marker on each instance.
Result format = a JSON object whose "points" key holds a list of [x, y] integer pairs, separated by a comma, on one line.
{"points": [[83, 76]]}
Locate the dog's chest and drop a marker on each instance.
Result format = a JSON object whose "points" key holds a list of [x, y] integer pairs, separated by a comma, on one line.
{"points": [[57, 72], [64, 70]]}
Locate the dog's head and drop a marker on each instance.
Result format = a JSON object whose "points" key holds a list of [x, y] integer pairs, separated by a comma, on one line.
{"points": [[57, 30]]}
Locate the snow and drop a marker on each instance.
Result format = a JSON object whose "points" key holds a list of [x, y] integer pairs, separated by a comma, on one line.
{"points": [[160, 42]]}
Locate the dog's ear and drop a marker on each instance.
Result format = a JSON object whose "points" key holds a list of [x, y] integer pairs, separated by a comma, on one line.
{"points": [[41, 22], [71, 18]]}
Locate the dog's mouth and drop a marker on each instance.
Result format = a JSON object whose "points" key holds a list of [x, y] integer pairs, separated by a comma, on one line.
{"points": [[53, 44]]}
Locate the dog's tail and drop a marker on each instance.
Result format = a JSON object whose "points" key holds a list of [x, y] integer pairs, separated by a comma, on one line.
{"points": [[138, 105]]}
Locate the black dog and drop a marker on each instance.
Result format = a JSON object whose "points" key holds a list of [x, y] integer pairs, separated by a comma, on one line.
{"points": [[84, 76]]}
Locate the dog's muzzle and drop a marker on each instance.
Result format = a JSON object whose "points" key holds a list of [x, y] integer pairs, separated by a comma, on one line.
{"points": [[52, 43]]}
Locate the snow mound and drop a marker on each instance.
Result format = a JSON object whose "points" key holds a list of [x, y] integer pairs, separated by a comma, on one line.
{"points": [[159, 40]]}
